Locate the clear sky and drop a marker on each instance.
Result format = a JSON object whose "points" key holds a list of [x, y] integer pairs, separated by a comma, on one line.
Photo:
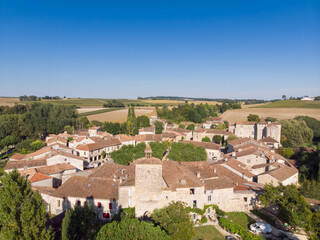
{"points": [[125, 49]]}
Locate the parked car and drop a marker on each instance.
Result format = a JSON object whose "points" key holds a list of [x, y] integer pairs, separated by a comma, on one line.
{"points": [[229, 237], [259, 227]]}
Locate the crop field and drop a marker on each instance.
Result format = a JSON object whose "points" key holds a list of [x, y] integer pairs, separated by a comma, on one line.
{"points": [[84, 110], [175, 102], [237, 115], [119, 115], [96, 112], [8, 101], [291, 104]]}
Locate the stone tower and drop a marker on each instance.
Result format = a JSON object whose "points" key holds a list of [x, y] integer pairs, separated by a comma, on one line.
{"points": [[148, 183]]}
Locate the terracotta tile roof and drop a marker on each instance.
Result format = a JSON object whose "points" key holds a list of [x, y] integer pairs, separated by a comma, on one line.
{"points": [[150, 161], [38, 176], [17, 156], [282, 173], [147, 129], [177, 176], [41, 151], [268, 140], [200, 130], [44, 190], [224, 172], [148, 137], [89, 147], [57, 139], [206, 145], [217, 119], [238, 141], [57, 168], [109, 170], [91, 187], [25, 164], [200, 167], [66, 154], [179, 131], [239, 167], [218, 183], [94, 128], [106, 143], [217, 131]]}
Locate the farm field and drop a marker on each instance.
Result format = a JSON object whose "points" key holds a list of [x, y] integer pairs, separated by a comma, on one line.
{"points": [[291, 104], [103, 110], [8, 101], [84, 110], [174, 102], [119, 115], [237, 115]]}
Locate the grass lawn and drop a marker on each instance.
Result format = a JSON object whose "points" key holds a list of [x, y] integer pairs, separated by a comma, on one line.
{"points": [[98, 111], [240, 218], [264, 217], [207, 233], [291, 104]]}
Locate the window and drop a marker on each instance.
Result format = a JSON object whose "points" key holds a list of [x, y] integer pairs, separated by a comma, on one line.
{"points": [[84, 153], [209, 198], [245, 199], [110, 205], [194, 203], [191, 190], [79, 203], [106, 215], [130, 202], [99, 204], [59, 203], [130, 192]]}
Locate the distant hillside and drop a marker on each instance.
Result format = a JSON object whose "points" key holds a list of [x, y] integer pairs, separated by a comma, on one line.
{"points": [[291, 104]]}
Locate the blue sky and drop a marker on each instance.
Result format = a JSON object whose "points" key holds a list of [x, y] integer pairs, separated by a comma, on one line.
{"points": [[125, 49]]}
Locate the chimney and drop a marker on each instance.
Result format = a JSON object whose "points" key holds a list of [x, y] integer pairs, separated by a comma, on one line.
{"points": [[233, 154], [198, 174]]}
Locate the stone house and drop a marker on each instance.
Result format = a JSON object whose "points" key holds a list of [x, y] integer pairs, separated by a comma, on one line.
{"points": [[201, 133]]}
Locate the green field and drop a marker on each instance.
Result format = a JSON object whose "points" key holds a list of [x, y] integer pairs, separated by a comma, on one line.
{"points": [[99, 111], [207, 233], [291, 104], [240, 218]]}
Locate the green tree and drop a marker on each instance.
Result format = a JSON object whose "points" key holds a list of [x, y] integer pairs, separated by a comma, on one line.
{"points": [[127, 154], [187, 153], [132, 122], [253, 118], [297, 133], [143, 121], [159, 127], [182, 126], [217, 139], [206, 139], [22, 212], [313, 226], [270, 119], [312, 123], [158, 149], [285, 152], [36, 145], [79, 223], [191, 127], [129, 229], [175, 220], [7, 141]]}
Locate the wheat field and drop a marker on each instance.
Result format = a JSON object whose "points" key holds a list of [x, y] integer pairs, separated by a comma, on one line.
{"points": [[237, 115], [119, 115]]}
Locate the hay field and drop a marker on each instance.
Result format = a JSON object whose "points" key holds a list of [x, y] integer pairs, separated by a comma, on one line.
{"points": [[84, 110], [175, 102], [119, 115], [292, 104], [8, 101], [236, 115]]}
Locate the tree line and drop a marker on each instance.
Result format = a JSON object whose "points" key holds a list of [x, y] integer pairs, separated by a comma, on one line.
{"points": [[194, 113]]}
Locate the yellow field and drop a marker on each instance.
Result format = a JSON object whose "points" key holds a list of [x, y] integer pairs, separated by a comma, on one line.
{"points": [[8, 101], [84, 110], [236, 115], [174, 102], [119, 115]]}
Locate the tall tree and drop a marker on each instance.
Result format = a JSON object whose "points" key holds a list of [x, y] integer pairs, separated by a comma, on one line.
{"points": [[131, 228], [22, 212], [175, 220], [79, 223], [132, 121]]}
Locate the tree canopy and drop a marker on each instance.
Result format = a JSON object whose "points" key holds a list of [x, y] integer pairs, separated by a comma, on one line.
{"points": [[175, 220], [128, 153], [78, 223], [131, 228], [312, 123], [22, 212], [206, 139], [253, 118], [186, 153]]}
